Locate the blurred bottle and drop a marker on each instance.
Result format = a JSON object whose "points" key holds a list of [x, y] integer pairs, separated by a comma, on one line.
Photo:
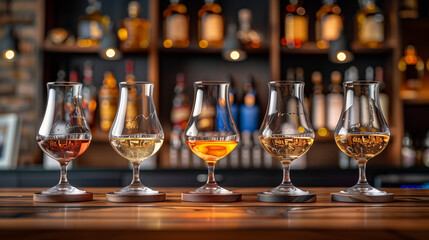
{"points": [[370, 24], [181, 107], [89, 96], [296, 25], [329, 23], [134, 32], [412, 68], [74, 76], [132, 104], [249, 110], [211, 25], [334, 101], [318, 105], [90, 27], [61, 75], [426, 150], [409, 9], [247, 36], [408, 152], [383, 96], [176, 25], [108, 99], [290, 74]]}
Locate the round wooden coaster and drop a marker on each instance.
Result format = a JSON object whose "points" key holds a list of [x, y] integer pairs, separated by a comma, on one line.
{"points": [[199, 197], [62, 198], [122, 198], [277, 198], [341, 197]]}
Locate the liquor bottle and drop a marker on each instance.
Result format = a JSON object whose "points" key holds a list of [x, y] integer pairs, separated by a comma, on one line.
{"points": [[426, 150], [89, 96], [329, 23], [299, 74], [181, 107], [211, 25], [132, 103], [412, 67], [318, 106], [408, 152], [74, 76], [61, 75], [370, 24], [134, 32], [249, 110], [334, 101], [290, 74], [91, 26], [176, 25], [296, 25], [383, 96], [247, 36], [108, 99], [409, 9]]}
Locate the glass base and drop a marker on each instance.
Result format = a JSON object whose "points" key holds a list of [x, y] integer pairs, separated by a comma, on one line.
{"points": [[211, 189], [136, 189], [63, 188], [363, 189], [287, 189]]}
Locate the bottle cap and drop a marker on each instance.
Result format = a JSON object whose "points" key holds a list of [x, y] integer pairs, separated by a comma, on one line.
{"points": [[369, 73], [299, 73], [336, 77], [134, 9], [316, 77], [244, 14]]}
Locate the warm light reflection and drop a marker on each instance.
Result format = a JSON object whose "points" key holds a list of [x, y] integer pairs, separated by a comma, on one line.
{"points": [[341, 56], [234, 55], [323, 132], [203, 44], [168, 43], [110, 53], [122, 34], [9, 54]]}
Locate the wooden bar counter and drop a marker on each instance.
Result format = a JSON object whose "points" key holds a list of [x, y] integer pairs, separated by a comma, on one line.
{"points": [[21, 218]]}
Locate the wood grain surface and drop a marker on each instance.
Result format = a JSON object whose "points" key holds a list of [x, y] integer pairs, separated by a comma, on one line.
{"points": [[405, 218]]}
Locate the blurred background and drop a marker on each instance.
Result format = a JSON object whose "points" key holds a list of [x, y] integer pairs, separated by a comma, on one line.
{"points": [[174, 43]]}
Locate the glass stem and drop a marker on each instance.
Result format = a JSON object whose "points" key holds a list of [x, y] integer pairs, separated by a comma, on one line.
{"points": [[362, 173], [286, 173], [211, 178], [63, 167], [136, 173]]}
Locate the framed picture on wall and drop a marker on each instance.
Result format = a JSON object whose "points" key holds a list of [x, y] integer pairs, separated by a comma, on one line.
{"points": [[9, 140]]}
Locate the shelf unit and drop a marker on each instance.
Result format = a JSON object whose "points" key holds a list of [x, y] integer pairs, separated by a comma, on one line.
{"points": [[160, 65]]}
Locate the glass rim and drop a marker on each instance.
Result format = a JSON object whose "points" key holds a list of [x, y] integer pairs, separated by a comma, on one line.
{"points": [[211, 83], [286, 82], [64, 83], [361, 82], [136, 83]]}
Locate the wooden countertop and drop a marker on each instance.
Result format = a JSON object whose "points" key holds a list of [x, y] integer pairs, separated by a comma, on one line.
{"points": [[406, 218]]}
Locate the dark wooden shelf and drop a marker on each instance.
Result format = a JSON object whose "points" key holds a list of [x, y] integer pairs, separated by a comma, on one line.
{"points": [[311, 49], [417, 97], [69, 49], [198, 50]]}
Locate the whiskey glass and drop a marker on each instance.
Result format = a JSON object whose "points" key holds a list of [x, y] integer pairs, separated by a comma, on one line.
{"points": [[64, 133], [211, 133], [286, 132], [362, 131], [136, 133]]}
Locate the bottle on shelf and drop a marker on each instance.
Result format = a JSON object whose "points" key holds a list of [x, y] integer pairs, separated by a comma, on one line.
{"points": [[370, 24], [134, 32], [91, 27], [409, 9], [296, 25], [318, 106], [334, 101], [108, 99], [211, 25], [408, 152], [426, 150], [61, 75], [247, 36], [176, 25], [329, 23], [290, 74], [132, 103], [412, 67], [249, 110], [74, 76], [383, 96], [89, 96]]}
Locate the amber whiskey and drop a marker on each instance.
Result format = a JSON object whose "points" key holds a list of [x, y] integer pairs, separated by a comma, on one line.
{"points": [[329, 23], [108, 99], [211, 25], [135, 31], [176, 25], [370, 24], [286, 148], [211, 151], [296, 25], [362, 145], [91, 26], [64, 150]]}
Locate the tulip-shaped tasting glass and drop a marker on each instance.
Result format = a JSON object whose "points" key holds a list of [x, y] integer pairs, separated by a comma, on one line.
{"points": [[286, 134], [64, 133], [211, 132], [136, 133], [362, 132]]}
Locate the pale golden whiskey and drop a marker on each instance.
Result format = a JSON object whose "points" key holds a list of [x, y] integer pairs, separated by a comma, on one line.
{"points": [[287, 148], [136, 149], [362, 145], [211, 151]]}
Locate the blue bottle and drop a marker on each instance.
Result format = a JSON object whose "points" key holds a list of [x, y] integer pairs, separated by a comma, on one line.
{"points": [[249, 110]]}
